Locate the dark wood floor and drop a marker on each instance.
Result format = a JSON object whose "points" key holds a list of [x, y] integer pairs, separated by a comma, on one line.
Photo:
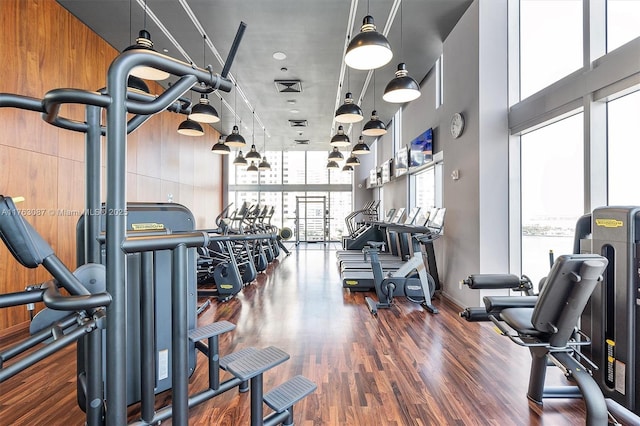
{"points": [[406, 367]]}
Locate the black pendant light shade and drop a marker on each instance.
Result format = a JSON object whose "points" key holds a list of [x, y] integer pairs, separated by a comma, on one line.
{"points": [[361, 147], [347, 168], [403, 88], [220, 148], [137, 84], [253, 154], [252, 167], [352, 160], [368, 49], [143, 42], [264, 164], [239, 160], [348, 111], [374, 127], [340, 139], [190, 128], [332, 165], [336, 155], [235, 139], [203, 112]]}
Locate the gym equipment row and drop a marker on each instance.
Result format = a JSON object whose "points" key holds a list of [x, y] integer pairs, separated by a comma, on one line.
{"points": [[127, 353], [587, 326], [408, 270]]}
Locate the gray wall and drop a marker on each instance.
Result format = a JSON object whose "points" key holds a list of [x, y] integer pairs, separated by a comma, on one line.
{"points": [[476, 81]]}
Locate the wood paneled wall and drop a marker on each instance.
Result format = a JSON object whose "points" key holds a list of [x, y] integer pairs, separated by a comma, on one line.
{"points": [[44, 47]]}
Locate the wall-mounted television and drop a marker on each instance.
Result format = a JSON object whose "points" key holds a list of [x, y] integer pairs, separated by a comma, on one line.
{"points": [[421, 149]]}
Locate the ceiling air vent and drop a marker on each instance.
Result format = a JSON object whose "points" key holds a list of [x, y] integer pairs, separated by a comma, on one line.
{"points": [[301, 141], [288, 86], [298, 123]]}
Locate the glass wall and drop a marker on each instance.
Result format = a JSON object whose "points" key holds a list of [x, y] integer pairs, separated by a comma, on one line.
{"points": [[552, 192], [296, 174], [623, 138], [550, 42], [623, 22]]}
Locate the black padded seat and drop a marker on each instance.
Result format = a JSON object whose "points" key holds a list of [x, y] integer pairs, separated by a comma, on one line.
{"points": [[499, 303], [520, 320]]}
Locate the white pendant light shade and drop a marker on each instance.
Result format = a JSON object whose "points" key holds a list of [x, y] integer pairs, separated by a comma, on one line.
{"points": [[403, 88], [368, 49]]}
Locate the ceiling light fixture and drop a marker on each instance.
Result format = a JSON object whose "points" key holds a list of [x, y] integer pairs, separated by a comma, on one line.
{"points": [[349, 112], [239, 161], [361, 147], [204, 112], [190, 128], [340, 139], [352, 160], [143, 42], [252, 167], [332, 165], [402, 88], [253, 154], [137, 84], [235, 139], [336, 155], [347, 168], [220, 147], [374, 127], [368, 49], [264, 164]]}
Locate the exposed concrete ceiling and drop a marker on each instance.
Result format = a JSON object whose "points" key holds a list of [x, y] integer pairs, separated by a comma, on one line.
{"points": [[312, 34]]}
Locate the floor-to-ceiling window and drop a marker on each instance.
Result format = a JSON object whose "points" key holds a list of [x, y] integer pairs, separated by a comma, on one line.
{"points": [[294, 175], [550, 42], [623, 128], [623, 22], [552, 192]]}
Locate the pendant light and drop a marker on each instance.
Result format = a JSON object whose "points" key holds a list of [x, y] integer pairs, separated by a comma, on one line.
{"points": [[239, 161], [352, 160], [203, 112], [253, 154], [349, 112], [264, 164], [332, 165], [347, 168], [336, 155], [143, 42], [369, 49], [374, 127], [252, 167], [361, 147], [235, 139], [340, 139], [137, 84], [220, 147], [190, 128], [402, 88]]}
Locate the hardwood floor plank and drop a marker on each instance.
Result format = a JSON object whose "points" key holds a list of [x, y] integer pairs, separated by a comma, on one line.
{"points": [[405, 367]]}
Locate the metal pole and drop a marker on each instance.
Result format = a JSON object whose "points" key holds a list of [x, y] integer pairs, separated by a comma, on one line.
{"points": [[116, 349], [147, 337], [179, 337], [92, 190]]}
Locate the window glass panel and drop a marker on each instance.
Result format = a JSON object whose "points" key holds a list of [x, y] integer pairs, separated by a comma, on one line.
{"points": [[339, 207], [623, 150], [273, 176], [317, 172], [550, 42], [623, 22], [552, 192], [338, 176], [293, 168], [425, 190]]}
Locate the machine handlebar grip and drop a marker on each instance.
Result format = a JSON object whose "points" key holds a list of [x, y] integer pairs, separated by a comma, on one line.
{"points": [[492, 281], [475, 314]]}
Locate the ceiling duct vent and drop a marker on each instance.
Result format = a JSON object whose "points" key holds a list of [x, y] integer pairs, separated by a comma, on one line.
{"points": [[301, 141], [288, 86], [298, 123]]}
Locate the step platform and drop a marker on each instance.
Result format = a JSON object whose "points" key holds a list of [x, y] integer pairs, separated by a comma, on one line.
{"points": [[283, 396]]}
